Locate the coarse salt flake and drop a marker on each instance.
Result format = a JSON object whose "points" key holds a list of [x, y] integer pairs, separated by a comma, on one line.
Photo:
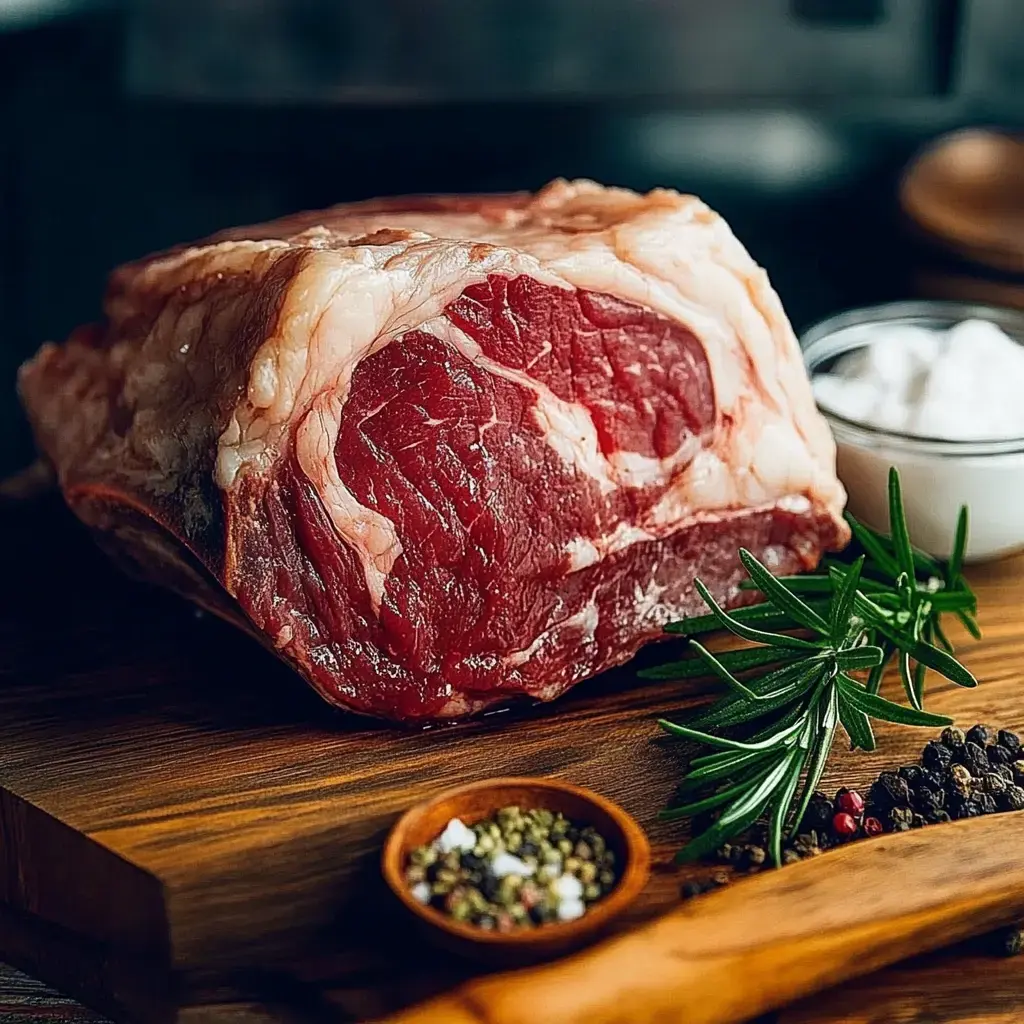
{"points": [[505, 864], [567, 888], [421, 893], [963, 384], [570, 910], [456, 836]]}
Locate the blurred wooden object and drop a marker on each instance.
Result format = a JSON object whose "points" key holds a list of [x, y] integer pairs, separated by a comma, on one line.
{"points": [[963, 199]]}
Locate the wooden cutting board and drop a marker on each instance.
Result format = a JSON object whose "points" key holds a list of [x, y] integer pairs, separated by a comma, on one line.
{"points": [[182, 824]]}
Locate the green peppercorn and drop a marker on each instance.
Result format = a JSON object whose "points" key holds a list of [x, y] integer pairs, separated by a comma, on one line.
{"points": [[583, 850], [564, 847], [591, 892], [607, 878], [588, 872]]}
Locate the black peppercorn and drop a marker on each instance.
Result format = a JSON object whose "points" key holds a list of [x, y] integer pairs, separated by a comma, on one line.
{"points": [[910, 773], [1009, 740], [953, 737], [925, 798], [998, 755], [1018, 772], [691, 889], [985, 802], [918, 821], [1004, 771], [973, 757], [1011, 800], [890, 791], [992, 783], [819, 812], [934, 780], [936, 756], [956, 805], [979, 734]]}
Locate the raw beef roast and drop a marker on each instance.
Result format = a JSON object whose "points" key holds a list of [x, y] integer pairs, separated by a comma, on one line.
{"points": [[441, 452]]}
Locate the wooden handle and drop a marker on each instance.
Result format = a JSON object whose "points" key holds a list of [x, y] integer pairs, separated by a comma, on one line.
{"points": [[766, 941]]}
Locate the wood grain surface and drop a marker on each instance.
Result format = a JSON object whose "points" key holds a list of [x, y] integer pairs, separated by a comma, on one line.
{"points": [[183, 825]]}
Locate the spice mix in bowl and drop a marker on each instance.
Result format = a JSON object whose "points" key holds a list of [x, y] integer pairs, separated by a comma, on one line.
{"points": [[516, 870]]}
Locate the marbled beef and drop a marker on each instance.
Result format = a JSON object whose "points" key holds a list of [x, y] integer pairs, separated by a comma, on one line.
{"points": [[440, 452]]}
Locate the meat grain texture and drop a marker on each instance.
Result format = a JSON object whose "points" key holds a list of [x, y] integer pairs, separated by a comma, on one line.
{"points": [[441, 452]]}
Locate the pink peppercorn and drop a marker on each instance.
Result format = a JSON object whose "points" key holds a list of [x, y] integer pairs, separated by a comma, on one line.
{"points": [[872, 827], [844, 824], [851, 801]]}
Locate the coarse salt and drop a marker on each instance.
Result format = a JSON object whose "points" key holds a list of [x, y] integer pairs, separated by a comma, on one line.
{"points": [[505, 864], [963, 384], [570, 910], [567, 888], [456, 836], [421, 892]]}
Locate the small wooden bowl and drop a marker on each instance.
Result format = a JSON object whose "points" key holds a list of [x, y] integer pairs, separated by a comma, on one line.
{"points": [[479, 800]]}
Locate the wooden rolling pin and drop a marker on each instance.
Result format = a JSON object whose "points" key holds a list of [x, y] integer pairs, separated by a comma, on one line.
{"points": [[773, 938]]}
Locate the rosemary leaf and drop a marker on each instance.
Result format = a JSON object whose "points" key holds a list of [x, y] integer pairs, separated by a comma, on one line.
{"points": [[855, 658], [735, 661], [782, 598], [842, 600], [819, 754], [723, 742], [969, 624], [764, 615], [877, 706], [857, 726], [898, 526], [756, 636], [956, 559]]}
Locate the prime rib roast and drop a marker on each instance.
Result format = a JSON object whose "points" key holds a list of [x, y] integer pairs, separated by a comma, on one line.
{"points": [[440, 452]]}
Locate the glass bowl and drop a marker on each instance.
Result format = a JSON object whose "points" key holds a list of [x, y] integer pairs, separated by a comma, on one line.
{"points": [[938, 475]]}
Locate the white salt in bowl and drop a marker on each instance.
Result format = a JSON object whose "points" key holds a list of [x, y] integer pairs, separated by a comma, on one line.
{"points": [[938, 475]]}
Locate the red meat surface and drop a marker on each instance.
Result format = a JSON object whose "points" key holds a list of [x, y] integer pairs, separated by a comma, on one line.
{"points": [[438, 453]]}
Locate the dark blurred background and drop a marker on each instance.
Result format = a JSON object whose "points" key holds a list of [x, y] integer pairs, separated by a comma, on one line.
{"points": [[127, 127]]}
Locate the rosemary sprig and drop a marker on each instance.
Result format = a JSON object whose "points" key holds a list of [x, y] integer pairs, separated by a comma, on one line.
{"points": [[810, 633]]}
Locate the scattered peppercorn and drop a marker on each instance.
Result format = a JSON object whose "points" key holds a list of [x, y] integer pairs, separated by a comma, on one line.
{"points": [[1011, 800], [953, 737], [844, 824], [519, 869], [850, 801], [1009, 740], [936, 756], [962, 775], [819, 811], [979, 734]]}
